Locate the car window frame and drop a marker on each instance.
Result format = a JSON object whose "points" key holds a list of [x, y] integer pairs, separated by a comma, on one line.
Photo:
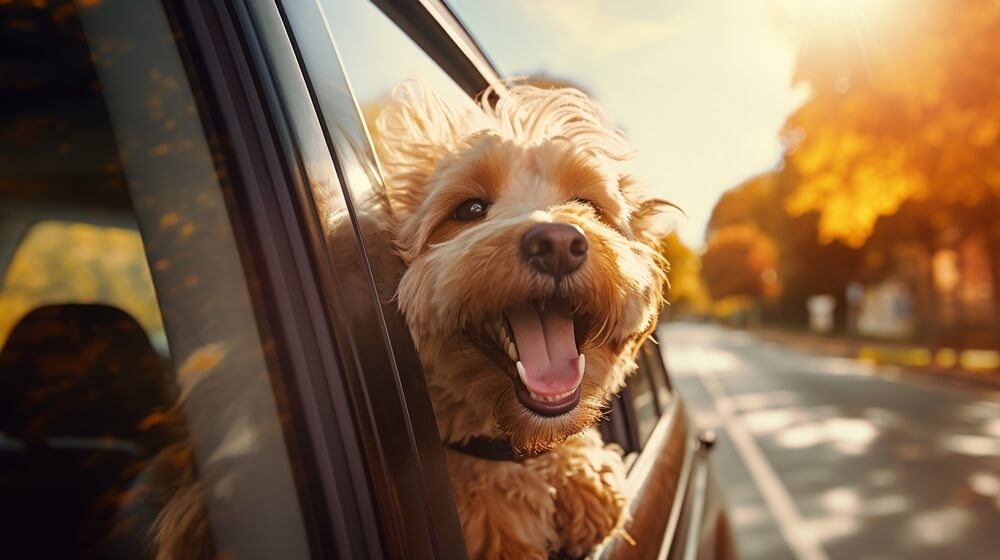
{"points": [[282, 244], [435, 28]]}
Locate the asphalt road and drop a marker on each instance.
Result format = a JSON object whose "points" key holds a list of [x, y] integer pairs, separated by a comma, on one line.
{"points": [[830, 458]]}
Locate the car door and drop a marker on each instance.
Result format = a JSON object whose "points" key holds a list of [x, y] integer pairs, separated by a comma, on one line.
{"points": [[677, 510]]}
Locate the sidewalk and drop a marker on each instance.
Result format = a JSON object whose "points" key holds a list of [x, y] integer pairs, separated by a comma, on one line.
{"points": [[971, 367]]}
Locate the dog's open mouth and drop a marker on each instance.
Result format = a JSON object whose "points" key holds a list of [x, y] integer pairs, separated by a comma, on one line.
{"points": [[538, 345]]}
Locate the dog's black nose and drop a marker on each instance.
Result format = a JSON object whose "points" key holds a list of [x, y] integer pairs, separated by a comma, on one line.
{"points": [[554, 249]]}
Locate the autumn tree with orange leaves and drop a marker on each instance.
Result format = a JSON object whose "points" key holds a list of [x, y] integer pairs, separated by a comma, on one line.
{"points": [[913, 117], [901, 134], [687, 293], [739, 261]]}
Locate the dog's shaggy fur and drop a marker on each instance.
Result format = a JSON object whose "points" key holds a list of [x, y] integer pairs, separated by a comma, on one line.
{"points": [[534, 156]]}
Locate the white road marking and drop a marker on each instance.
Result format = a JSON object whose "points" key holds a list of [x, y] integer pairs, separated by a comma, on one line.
{"points": [[797, 532]]}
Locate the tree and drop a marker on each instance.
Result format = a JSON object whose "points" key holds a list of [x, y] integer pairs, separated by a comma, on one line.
{"points": [[904, 132], [739, 261], [687, 293], [804, 265]]}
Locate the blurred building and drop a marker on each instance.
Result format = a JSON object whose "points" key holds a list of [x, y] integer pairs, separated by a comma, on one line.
{"points": [[886, 310]]}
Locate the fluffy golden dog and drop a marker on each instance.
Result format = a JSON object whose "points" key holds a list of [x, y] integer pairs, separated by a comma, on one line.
{"points": [[532, 278]]}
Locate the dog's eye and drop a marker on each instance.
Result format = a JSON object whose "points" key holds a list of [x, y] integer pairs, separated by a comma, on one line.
{"points": [[471, 209]]}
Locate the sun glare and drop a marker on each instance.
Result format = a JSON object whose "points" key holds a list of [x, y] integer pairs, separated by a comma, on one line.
{"points": [[840, 8], [851, 24], [832, 18]]}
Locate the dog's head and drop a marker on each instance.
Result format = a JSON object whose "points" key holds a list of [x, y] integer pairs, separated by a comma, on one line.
{"points": [[532, 275]]}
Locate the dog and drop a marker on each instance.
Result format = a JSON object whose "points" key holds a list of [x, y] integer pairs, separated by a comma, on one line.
{"points": [[528, 275], [531, 279]]}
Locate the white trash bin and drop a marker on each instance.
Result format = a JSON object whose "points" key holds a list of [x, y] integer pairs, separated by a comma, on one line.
{"points": [[821, 312]]}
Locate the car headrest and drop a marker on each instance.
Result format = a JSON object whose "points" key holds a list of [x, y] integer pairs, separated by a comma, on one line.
{"points": [[79, 370]]}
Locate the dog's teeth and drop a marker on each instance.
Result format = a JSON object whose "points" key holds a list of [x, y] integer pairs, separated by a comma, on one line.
{"points": [[521, 373], [582, 364], [553, 398], [512, 351]]}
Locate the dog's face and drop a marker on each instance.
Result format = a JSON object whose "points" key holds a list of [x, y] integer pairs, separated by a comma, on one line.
{"points": [[530, 283]]}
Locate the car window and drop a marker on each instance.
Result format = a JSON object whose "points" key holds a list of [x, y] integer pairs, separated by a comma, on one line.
{"points": [[373, 73], [403, 451], [113, 442], [636, 411], [657, 374], [643, 400], [60, 261]]}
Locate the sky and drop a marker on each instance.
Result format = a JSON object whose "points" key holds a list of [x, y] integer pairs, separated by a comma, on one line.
{"points": [[700, 87]]}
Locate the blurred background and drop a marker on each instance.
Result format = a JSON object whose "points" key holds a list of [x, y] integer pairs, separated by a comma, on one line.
{"points": [[835, 282]]}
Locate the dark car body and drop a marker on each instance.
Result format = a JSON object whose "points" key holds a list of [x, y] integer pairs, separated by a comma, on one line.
{"points": [[196, 132]]}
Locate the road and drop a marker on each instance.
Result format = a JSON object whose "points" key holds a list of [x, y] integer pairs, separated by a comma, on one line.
{"points": [[830, 458]]}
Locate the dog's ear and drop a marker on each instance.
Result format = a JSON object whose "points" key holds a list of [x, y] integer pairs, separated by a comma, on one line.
{"points": [[412, 132], [651, 219]]}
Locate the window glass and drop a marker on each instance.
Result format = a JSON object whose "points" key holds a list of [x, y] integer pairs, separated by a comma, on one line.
{"points": [[643, 402], [105, 265], [111, 445], [411, 482], [374, 72], [657, 373]]}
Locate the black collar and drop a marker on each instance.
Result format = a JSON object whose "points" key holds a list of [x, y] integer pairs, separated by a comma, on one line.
{"points": [[484, 447]]}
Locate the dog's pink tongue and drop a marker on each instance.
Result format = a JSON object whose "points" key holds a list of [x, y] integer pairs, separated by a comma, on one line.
{"points": [[546, 345]]}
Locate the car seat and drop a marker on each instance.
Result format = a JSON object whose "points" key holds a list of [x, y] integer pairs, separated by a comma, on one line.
{"points": [[81, 389]]}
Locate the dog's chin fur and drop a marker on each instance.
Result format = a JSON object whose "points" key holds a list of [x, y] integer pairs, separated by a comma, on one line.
{"points": [[535, 156]]}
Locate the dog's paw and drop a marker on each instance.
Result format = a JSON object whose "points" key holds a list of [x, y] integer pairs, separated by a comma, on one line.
{"points": [[590, 500], [588, 510], [506, 509]]}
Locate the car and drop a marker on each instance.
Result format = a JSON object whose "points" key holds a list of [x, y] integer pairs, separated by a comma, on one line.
{"points": [[169, 176]]}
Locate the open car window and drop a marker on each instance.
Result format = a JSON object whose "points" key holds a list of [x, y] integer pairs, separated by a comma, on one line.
{"points": [[378, 56]]}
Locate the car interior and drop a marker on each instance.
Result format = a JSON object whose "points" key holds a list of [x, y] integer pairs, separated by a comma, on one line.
{"points": [[80, 374]]}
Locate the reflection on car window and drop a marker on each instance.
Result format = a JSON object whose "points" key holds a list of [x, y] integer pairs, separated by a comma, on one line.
{"points": [[60, 262], [657, 373], [110, 446], [643, 403]]}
